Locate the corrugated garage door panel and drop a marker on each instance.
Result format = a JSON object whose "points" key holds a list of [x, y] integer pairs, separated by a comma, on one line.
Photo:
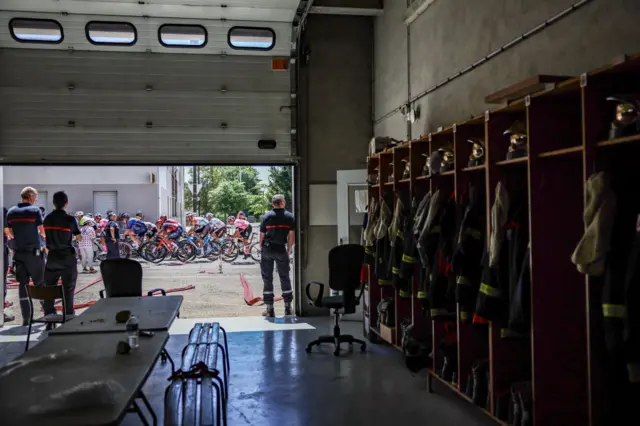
{"points": [[94, 106], [100, 69]]}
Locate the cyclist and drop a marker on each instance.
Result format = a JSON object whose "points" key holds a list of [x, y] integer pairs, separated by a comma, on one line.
{"points": [[190, 219], [218, 229], [79, 215], [134, 227], [243, 230], [172, 229]]}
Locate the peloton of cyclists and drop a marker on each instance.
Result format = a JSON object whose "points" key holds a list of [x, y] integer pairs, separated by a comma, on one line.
{"points": [[134, 227]]}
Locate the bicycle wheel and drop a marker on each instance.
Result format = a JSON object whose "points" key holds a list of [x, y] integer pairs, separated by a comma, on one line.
{"points": [[212, 251], [124, 249], [229, 251], [153, 252], [255, 251], [186, 251]]}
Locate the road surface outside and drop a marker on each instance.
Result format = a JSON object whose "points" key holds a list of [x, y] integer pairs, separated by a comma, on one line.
{"points": [[216, 294]]}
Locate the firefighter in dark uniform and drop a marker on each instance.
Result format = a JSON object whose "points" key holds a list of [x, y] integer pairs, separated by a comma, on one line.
{"points": [[276, 239], [60, 229], [111, 236], [7, 317], [24, 226]]}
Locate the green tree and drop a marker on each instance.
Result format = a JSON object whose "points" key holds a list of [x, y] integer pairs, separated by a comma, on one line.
{"points": [[228, 198], [280, 182]]}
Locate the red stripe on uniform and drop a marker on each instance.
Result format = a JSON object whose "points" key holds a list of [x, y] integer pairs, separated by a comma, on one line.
{"points": [[22, 220], [278, 226], [56, 228]]}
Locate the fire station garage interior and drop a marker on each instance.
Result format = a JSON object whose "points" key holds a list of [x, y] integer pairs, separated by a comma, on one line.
{"points": [[492, 147]]}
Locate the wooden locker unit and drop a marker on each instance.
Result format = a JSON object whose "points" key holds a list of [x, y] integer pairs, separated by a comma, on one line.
{"points": [[564, 356]]}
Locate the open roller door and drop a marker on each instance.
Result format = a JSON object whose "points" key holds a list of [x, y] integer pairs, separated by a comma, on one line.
{"points": [[77, 102]]}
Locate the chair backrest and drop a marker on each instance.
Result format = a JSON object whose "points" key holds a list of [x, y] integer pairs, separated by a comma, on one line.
{"points": [[121, 277], [52, 292], [345, 264]]}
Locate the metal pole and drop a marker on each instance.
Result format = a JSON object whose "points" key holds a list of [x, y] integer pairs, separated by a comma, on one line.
{"points": [[195, 188]]}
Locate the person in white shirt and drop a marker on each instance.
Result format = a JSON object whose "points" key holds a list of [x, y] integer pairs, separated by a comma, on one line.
{"points": [[86, 245]]}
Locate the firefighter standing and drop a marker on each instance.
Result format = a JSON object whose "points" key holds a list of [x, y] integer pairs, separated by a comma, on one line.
{"points": [[60, 229], [24, 226], [111, 236], [276, 239], [7, 317]]}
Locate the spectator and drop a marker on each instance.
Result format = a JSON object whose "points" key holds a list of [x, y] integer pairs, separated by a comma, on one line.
{"points": [[112, 236], [86, 245]]}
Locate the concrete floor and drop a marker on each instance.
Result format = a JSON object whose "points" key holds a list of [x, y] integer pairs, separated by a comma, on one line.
{"points": [[218, 291], [275, 382]]}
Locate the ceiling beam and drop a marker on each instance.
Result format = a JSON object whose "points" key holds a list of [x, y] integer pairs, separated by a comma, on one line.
{"points": [[351, 11]]}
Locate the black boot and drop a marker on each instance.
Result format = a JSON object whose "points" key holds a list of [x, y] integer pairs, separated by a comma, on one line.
{"points": [[269, 312], [469, 390], [447, 370], [502, 406], [516, 412], [480, 383], [526, 404]]}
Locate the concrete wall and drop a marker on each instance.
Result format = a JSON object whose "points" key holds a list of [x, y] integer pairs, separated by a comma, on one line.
{"points": [[131, 198], [452, 34], [336, 98], [32, 175], [135, 192]]}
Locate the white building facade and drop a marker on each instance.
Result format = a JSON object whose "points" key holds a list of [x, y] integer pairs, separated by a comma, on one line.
{"points": [[154, 190]]}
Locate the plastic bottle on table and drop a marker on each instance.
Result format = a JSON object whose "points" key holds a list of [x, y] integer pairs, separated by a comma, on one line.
{"points": [[133, 332]]}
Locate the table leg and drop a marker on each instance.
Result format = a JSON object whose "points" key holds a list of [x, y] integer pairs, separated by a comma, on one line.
{"points": [[137, 409], [146, 403], [226, 345]]}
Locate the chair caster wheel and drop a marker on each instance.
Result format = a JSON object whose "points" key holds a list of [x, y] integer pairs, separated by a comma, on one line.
{"points": [[308, 349], [363, 348]]}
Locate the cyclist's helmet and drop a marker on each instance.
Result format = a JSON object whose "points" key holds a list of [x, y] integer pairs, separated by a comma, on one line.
{"points": [[98, 216], [159, 222], [209, 215], [231, 219], [242, 216], [79, 213], [125, 215], [162, 219], [139, 213], [111, 214]]}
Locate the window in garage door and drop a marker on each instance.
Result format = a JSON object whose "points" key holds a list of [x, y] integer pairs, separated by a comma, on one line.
{"points": [[105, 201]]}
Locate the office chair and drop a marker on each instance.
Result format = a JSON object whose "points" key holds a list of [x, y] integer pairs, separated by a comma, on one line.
{"points": [[47, 293], [345, 263], [123, 278]]}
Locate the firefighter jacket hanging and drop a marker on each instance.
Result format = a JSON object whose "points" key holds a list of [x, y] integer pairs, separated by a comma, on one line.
{"points": [[503, 261], [442, 279], [381, 232], [599, 214], [410, 258], [621, 290], [467, 257], [427, 243], [396, 239], [369, 232]]}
